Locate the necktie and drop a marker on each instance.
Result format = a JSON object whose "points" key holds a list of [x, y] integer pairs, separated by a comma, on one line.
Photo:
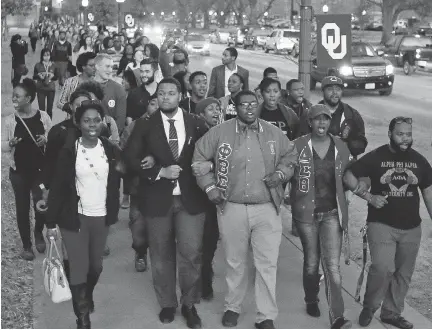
{"points": [[173, 140]]}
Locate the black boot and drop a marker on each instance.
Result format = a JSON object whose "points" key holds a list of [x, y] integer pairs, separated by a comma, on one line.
{"points": [[66, 269], [81, 305], [92, 279]]}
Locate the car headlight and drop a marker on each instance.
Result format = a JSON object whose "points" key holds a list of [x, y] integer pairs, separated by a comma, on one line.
{"points": [[206, 46], [346, 70], [157, 30], [189, 46], [389, 69]]}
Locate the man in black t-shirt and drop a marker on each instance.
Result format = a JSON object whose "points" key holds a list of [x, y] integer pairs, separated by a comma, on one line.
{"points": [[397, 172]]}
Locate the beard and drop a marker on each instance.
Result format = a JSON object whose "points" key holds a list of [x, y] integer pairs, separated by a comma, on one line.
{"points": [[168, 110], [329, 101], [396, 147], [149, 80]]}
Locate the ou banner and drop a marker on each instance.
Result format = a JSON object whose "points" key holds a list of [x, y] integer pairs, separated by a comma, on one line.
{"points": [[333, 40], [129, 20]]}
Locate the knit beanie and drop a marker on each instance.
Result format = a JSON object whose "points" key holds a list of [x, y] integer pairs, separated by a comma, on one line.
{"points": [[201, 105]]}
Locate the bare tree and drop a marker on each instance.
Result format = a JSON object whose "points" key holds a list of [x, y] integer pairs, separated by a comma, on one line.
{"points": [[392, 8], [15, 7]]}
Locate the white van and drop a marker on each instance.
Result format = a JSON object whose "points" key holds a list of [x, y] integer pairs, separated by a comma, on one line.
{"points": [[282, 40]]}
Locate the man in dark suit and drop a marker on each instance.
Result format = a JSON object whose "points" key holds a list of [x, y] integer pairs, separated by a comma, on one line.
{"points": [[219, 77], [171, 201]]}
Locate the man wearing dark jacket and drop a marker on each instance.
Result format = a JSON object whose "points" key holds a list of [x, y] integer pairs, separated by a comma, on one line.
{"points": [[171, 201], [347, 123], [61, 52]]}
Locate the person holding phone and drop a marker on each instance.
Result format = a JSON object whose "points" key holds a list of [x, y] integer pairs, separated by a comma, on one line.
{"points": [[24, 136]]}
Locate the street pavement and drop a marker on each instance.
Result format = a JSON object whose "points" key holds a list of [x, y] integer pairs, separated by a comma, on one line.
{"points": [[126, 299]]}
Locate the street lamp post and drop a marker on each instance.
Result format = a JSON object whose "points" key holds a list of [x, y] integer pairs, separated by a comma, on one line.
{"points": [[120, 16], [85, 4], [305, 35]]}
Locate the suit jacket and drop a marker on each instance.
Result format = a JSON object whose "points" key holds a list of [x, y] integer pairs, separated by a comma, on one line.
{"points": [[148, 137], [217, 81]]}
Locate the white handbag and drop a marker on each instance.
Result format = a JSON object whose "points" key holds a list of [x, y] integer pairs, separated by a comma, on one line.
{"points": [[55, 281]]}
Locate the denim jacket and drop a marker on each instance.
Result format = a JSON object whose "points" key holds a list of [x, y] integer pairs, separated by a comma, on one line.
{"points": [[221, 141], [302, 194]]}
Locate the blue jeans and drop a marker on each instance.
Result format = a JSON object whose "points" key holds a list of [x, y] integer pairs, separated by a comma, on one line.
{"points": [[322, 239]]}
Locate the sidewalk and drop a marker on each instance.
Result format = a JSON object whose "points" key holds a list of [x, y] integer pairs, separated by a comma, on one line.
{"points": [[126, 299]]}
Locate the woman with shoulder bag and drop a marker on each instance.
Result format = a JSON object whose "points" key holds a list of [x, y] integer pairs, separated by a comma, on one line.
{"points": [[24, 137], [84, 201], [45, 73], [19, 49]]}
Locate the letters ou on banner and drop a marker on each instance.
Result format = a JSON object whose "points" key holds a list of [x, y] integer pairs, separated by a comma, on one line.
{"points": [[333, 40], [129, 20]]}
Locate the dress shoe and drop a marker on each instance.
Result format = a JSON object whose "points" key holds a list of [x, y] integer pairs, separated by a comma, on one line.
{"points": [[313, 310], [230, 319], [193, 320], [167, 314], [341, 323], [140, 263], [266, 324], [27, 254], [365, 317], [398, 321], [40, 242]]}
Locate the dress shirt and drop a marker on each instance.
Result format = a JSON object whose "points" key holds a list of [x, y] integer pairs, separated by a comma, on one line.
{"points": [[228, 74], [181, 136]]}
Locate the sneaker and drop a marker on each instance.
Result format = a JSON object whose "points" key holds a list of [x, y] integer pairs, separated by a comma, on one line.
{"points": [[140, 263], [230, 319], [40, 242], [365, 317], [27, 254], [313, 310], [398, 321], [266, 324], [125, 204], [341, 323]]}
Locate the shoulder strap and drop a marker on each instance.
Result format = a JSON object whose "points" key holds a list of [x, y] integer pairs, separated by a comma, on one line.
{"points": [[29, 132]]}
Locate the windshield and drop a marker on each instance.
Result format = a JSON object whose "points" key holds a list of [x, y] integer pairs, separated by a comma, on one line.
{"points": [[416, 42], [362, 50], [291, 34], [195, 37]]}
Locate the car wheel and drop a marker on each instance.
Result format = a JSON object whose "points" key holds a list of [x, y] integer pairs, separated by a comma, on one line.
{"points": [[386, 92], [266, 49], [313, 83], [408, 69]]}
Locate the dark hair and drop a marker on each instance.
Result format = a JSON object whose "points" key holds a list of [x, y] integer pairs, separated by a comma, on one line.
{"points": [[232, 51], [129, 76], [83, 60], [15, 38], [30, 88], [115, 35], [266, 82], [290, 83], [151, 62], [83, 41], [196, 73], [106, 41], [398, 120], [154, 51], [181, 51], [94, 105], [170, 80], [332, 72], [179, 76], [268, 71], [43, 51], [243, 93], [240, 77], [78, 93], [94, 87]]}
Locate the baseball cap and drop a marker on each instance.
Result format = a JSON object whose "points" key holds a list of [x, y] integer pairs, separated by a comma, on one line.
{"points": [[319, 109], [331, 80]]}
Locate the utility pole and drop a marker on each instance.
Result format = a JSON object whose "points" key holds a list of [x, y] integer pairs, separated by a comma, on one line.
{"points": [[305, 37]]}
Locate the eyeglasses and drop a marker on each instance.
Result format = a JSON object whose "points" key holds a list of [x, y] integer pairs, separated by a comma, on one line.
{"points": [[399, 120], [245, 105]]}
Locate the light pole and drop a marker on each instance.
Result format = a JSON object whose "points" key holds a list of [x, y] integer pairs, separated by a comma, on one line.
{"points": [[305, 35], [265, 18], [85, 4], [120, 16]]}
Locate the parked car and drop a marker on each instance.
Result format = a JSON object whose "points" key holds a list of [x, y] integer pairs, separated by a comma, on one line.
{"points": [[367, 70], [282, 40], [411, 52], [197, 44]]}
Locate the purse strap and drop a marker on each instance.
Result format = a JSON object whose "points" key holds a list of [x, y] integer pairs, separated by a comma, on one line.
{"points": [[30, 133]]}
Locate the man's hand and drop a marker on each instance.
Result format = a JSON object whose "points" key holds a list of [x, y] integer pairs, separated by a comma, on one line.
{"points": [[378, 201], [41, 140], [171, 172], [272, 180], [201, 168], [14, 141], [215, 196], [147, 162]]}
